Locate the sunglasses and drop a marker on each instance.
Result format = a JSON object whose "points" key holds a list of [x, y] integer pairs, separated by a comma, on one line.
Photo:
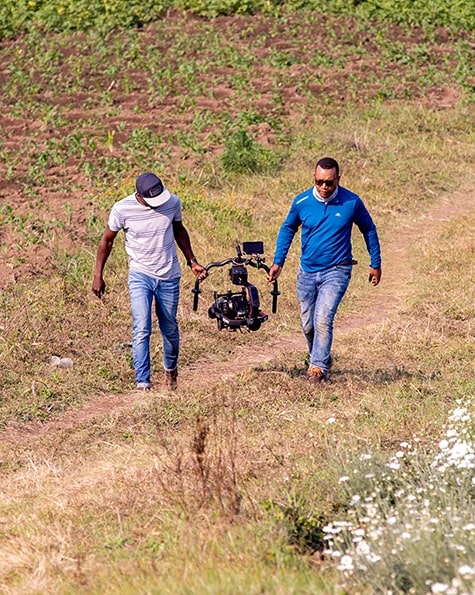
{"points": [[327, 183]]}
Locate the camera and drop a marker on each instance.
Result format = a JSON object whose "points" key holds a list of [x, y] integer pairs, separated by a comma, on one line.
{"points": [[234, 310]]}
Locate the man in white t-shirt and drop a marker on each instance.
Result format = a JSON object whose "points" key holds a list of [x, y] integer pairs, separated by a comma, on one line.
{"points": [[151, 221]]}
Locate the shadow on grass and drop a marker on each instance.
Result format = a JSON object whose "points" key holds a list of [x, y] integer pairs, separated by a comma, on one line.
{"points": [[342, 375]]}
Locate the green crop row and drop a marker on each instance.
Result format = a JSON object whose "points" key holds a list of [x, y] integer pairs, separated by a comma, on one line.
{"points": [[18, 16]]}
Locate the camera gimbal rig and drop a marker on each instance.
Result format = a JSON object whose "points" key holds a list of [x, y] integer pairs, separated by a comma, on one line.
{"points": [[233, 310]]}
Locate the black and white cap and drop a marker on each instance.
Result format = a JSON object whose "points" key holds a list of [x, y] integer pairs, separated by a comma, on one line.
{"points": [[151, 189]]}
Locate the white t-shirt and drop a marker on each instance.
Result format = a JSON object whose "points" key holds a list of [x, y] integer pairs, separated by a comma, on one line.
{"points": [[149, 240]]}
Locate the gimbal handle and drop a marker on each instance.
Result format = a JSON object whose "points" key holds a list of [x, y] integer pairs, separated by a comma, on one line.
{"points": [[248, 261], [196, 290], [275, 291]]}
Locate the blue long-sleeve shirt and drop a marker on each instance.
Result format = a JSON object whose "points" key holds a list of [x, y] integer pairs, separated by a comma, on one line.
{"points": [[326, 230]]}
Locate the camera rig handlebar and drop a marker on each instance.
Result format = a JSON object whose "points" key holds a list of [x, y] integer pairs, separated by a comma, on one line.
{"points": [[239, 309]]}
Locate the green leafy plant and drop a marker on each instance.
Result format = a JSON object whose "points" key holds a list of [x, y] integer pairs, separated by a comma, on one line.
{"points": [[243, 154]]}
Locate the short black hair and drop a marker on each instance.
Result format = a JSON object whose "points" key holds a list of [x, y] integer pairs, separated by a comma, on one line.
{"points": [[328, 163]]}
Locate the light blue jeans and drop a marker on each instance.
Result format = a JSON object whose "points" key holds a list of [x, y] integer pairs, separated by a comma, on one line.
{"points": [[144, 290], [320, 295]]}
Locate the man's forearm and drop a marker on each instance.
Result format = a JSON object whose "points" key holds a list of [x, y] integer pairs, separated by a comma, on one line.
{"points": [[374, 248], [284, 241], [183, 241], [103, 252]]}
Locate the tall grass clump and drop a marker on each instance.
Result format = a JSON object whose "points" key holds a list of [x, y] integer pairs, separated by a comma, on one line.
{"points": [[244, 155], [410, 522]]}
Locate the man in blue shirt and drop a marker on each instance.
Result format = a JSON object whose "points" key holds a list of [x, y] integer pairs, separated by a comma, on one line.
{"points": [[326, 214]]}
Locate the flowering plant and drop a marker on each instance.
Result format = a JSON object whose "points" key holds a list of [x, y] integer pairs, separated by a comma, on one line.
{"points": [[410, 524]]}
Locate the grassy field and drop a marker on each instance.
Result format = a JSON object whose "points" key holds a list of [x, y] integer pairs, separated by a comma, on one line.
{"points": [[247, 480]]}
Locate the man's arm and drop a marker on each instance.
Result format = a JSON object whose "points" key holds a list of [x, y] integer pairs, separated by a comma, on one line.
{"points": [[284, 241], [103, 251], [367, 227], [285, 238], [182, 239], [374, 251]]}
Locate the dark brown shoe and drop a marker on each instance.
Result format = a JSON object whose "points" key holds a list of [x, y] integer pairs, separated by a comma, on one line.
{"points": [[171, 379], [316, 375]]}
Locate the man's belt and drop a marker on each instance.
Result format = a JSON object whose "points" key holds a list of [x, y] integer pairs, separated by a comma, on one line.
{"points": [[347, 261]]}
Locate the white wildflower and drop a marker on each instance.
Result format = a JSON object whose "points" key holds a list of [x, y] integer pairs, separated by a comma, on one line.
{"points": [[363, 548], [344, 524], [331, 529], [439, 588], [459, 414], [346, 564], [391, 520]]}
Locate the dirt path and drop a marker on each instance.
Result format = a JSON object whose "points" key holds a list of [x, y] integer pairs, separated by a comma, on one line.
{"points": [[382, 303]]}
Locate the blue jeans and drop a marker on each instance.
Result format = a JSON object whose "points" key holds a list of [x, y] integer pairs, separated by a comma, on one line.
{"points": [[143, 291], [320, 295]]}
